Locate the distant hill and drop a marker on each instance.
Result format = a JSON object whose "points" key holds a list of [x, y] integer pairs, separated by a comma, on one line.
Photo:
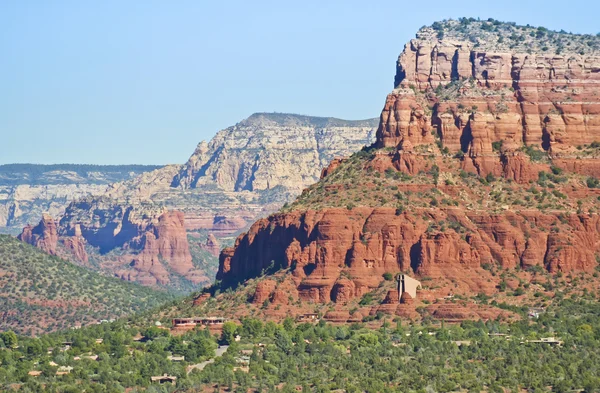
{"points": [[41, 293], [28, 190], [37, 175]]}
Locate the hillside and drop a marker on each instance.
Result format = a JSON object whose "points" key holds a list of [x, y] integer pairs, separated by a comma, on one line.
{"points": [[484, 173], [156, 228], [28, 190], [558, 348], [41, 293]]}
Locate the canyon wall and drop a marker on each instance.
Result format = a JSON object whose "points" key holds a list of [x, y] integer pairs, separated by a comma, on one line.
{"points": [[268, 150]]}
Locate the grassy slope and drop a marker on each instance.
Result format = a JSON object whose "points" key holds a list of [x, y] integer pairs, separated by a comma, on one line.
{"points": [[39, 292]]}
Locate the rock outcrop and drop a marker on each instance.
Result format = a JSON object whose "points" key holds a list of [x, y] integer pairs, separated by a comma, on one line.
{"points": [[212, 245], [154, 240], [268, 150], [481, 161], [44, 235], [488, 100], [324, 248]]}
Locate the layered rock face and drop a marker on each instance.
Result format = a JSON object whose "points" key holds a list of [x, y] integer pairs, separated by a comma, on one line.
{"points": [[268, 150], [248, 170], [457, 182], [472, 92], [365, 243], [154, 240], [28, 190], [44, 235]]}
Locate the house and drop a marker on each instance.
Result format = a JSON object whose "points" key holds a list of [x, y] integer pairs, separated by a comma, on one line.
{"points": [[164, 379], [35, 373], [462, 342], [308, 317], [64, 370], [501, 335], [176, 358], [244, 359], [203, 321], [545, 340], [91, 357], [407, 284], [99, 341]]}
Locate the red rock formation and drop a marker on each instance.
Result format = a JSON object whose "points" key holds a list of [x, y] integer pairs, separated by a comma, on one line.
{"points": [[545, 100], [212, 245], [325, 248], [337, 316], [44, 235], [263, 291], [76, 246], [455, 108], [406, 299], [333, 165], [166, 240], [155, 241], [201, 299]]}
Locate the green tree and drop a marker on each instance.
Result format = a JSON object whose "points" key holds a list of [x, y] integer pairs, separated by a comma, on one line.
{"points": [[229, 332], [9, 338]]}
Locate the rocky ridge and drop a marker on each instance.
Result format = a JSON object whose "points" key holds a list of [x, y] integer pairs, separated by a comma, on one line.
{"points": [[28, 190], [484, 165], [268, 150]]}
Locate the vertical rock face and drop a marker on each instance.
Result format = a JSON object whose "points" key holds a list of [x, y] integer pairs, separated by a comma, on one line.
{"points": [[465, 106], [474, 92], [268, 150], [365, 243], [44, 235], [154, 240], [76, 246]]}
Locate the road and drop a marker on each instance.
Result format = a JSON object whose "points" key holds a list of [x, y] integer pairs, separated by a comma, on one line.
{"points": [[200, 366]]}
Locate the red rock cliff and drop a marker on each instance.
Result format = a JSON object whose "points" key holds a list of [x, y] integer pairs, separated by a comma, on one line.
{"points": [[471, 94], [154, 240], [365, 243], [457, 105], [44, 235]]}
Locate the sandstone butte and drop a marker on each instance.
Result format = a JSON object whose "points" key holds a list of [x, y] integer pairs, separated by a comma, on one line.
{"points": [[486, 159]]}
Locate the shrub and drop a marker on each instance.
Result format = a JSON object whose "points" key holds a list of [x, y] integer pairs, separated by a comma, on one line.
{"points": [[497, 146], [556, 170], [534, 154]]}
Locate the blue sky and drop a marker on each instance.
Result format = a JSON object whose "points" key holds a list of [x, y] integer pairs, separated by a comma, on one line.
{"points": [[111, 82]]}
